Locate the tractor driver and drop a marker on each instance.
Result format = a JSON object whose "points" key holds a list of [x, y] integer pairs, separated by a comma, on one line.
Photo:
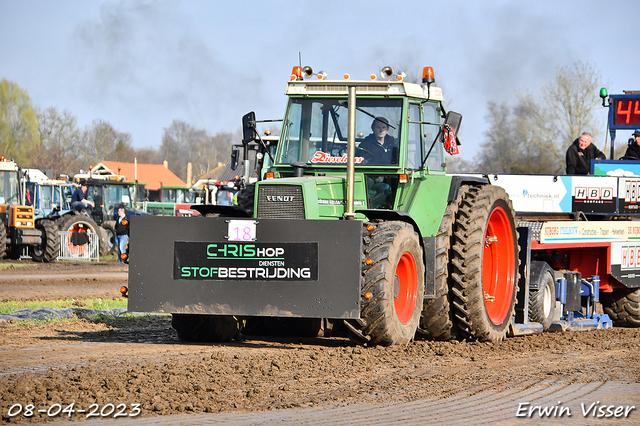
{"points": [[379, 147]]}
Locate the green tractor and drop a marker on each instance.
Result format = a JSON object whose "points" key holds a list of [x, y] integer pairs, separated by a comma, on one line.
{"points": [[356, 224]]}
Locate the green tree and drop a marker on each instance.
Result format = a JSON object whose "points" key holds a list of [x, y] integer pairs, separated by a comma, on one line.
{"points": [[18, 124]]}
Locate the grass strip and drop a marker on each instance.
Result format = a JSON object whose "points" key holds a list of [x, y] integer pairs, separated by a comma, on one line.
{"points": [[6, 307]]}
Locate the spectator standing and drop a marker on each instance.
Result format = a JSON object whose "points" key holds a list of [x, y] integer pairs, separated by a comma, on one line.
{"points": [[580, 153], [122, 232], [633, 151]]}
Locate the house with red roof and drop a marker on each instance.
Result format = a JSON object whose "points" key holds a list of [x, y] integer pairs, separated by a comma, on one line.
{"points": [[154, 176]]}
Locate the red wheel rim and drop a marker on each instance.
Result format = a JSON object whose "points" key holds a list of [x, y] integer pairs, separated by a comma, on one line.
{"points": [[73, 249], [405, 287], [498, 266]]}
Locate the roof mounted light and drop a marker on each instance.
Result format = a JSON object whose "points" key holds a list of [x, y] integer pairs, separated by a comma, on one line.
{"points": [[428, 76], [307, 72], [296, 73], [322, 75], [386, 72], [347, 76]]}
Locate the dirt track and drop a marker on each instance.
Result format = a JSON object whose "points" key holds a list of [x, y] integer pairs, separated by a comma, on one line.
{"points": [[142, 362]]}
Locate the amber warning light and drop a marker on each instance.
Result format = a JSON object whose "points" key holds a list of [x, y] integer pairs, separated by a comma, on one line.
{"points": [[124, 291], [296, 73], [427, 75]]}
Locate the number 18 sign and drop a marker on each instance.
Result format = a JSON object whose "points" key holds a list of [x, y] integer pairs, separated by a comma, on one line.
{"points": [[242, 230]]}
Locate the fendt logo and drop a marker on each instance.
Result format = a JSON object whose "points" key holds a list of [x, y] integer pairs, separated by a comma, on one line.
{"points": [[280, 198], [593, 195]]}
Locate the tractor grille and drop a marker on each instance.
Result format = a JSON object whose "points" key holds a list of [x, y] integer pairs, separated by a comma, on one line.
{"points": [[280, 202]]}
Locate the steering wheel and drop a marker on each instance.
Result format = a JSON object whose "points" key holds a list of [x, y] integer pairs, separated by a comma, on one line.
{"points": [[368, 155]]}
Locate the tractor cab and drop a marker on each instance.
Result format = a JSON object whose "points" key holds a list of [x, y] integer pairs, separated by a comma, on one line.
{"points": [[401, 132]]}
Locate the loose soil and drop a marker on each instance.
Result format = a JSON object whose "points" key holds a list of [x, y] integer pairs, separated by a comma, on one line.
{"points": [[88, 282], [139, 360]]}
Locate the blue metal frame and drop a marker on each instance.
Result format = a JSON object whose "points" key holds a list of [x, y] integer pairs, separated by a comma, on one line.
{"points": [[611, 126]]}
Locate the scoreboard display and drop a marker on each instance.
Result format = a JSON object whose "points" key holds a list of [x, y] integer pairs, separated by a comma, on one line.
{"points": [[626, 111]]}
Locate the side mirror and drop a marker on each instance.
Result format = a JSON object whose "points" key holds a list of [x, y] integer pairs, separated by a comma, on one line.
{"points": [[454, 119], [234, 158], [249, 127]]}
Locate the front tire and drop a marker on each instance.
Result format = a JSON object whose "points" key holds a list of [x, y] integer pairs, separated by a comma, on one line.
{"points": [[485, 264], [50, 247], [395, 281]]}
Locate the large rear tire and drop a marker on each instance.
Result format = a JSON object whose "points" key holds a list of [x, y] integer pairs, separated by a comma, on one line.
{"points": [[437, 319], [485, 264], [542, 299], [50, 248], [79, 224], [206, 328], [622, 307], [395, 281]]}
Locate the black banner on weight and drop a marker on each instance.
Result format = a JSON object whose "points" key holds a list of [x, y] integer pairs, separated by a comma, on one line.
{"points": [[240, 261]]}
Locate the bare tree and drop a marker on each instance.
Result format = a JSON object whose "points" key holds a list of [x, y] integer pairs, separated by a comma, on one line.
{"points": [[541, 128], [101, 141], [148, 155], [458, 165], [60, 140], [503, 151], [177, 144], [567, 107], [183, 143]]}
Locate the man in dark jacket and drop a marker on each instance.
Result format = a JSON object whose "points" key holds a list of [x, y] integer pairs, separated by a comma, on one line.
{"points": [[78, 200], [633, 151], [580, 154], [122, 232]]}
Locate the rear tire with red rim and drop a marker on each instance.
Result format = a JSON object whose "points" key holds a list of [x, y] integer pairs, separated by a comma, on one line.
{"points": [[485, 264]]}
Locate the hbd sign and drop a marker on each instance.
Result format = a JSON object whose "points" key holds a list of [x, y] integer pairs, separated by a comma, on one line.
{"points": [[594, 195]]}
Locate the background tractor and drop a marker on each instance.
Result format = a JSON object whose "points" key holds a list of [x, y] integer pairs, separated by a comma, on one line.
{"points": [[19, 227]]}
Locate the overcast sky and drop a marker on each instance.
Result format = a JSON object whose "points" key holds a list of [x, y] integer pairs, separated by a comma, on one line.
{"points": [[142, 64]]}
